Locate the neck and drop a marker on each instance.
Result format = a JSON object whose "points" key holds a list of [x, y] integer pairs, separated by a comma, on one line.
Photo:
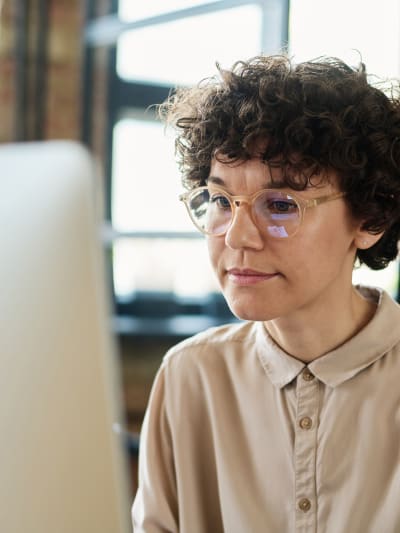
{"points": [[309, 334]]}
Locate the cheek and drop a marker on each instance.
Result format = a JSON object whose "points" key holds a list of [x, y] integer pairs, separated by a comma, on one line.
{"points": [[215, 247], [322, 253]]}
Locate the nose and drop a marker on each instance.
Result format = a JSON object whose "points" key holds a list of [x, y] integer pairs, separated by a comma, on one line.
{"points": [[243, 232]]}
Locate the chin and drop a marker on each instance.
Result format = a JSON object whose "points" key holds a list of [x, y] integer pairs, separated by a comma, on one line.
{"points": [[250, 311], [257, 302]]}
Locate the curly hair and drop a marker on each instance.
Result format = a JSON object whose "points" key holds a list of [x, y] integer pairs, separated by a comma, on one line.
{"points": [[315, 116]]}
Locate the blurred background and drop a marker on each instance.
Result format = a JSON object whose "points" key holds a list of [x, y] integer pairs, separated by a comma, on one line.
{"points": [[94, 70]]}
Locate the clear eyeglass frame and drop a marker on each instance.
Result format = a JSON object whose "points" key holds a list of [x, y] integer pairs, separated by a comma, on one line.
{"points": [[236, 200]]}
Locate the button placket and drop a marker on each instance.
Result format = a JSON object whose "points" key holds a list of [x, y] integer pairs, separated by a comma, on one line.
{"points": [[305, 452]]}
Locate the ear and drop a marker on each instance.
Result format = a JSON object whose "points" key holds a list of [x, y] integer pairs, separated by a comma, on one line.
{"points": [[364, 240]]}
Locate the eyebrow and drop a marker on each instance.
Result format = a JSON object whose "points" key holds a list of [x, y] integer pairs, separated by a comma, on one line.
{"points": [[271, 185]]}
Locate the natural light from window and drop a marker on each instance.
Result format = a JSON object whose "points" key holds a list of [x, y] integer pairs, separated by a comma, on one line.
{"points": [[130, 10], [348, 30], [184, 51], [146, 180]]}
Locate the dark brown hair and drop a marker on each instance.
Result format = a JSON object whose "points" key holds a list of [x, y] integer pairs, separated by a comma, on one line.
{"points": [[315, 116]]}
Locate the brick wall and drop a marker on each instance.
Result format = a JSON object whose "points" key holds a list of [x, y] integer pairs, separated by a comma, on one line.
{"points": [[64, 98], [62, 91], [7, 73]]}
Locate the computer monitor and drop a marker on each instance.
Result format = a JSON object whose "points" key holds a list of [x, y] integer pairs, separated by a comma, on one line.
{"points": [[62, 467]]}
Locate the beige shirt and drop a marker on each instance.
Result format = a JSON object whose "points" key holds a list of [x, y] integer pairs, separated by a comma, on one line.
{"points": [[240, 437]]}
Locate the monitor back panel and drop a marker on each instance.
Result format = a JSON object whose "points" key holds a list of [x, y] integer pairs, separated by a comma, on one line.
{"points": [[62, 468]]}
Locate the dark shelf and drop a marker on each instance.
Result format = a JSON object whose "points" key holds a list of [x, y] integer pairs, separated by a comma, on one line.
{"points": [[180, 326]]}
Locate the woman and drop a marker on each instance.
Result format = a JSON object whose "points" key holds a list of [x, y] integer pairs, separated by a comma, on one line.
{"points": [[289, 421]]}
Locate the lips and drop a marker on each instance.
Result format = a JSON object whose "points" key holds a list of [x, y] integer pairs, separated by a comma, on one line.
{"points": [[248, 276]]}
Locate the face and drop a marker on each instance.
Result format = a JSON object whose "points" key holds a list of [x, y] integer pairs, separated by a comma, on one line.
{"points": [[263, 277]]}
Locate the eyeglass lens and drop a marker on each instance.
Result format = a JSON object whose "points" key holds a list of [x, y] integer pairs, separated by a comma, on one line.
{"points": [[275, 212]]}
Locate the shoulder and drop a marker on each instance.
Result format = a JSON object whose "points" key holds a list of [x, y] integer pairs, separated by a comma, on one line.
{"points": [[217, 337], [202, 370], [214, 344]]}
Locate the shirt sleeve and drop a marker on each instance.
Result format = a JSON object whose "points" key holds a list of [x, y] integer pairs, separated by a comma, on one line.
{"points": [[155, 508]]}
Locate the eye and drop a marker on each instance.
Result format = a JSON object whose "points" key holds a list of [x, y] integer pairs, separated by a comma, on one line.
{"points": [[282, 206], [220, 201]]}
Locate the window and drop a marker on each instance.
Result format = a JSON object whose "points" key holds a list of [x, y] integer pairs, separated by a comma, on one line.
{"points": [[348, 30], [183, 51]]}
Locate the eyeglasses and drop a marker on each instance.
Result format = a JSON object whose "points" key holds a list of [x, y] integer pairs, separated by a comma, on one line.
{"points": [[275, 212]]}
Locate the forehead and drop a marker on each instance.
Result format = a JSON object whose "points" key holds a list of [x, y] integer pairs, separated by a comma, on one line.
{"points": [[252, 171], [258, 173]]}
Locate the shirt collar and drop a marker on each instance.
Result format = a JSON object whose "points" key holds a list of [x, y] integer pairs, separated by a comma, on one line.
{"points": [[370, 344]]}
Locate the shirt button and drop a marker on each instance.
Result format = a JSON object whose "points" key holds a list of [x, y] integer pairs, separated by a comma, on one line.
{"points": [[307, 376], [306, 422], [305, 504]]}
